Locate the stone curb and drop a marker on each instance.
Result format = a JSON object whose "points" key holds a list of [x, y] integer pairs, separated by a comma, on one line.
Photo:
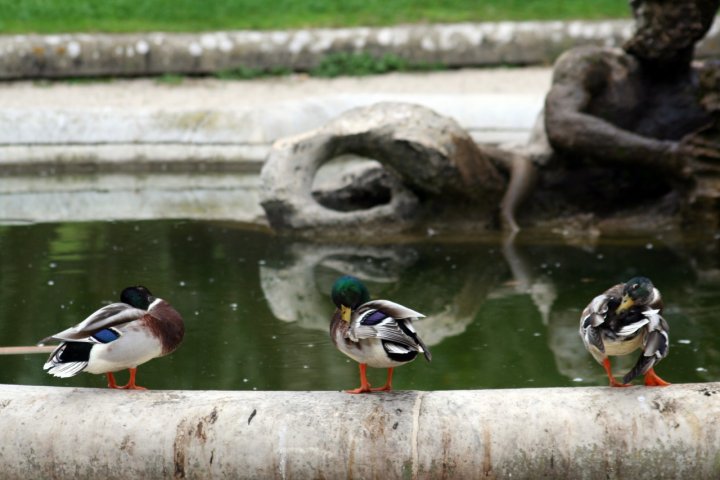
{"points": [[233, 138], [594, 432], [453, 45], [504, 117]]}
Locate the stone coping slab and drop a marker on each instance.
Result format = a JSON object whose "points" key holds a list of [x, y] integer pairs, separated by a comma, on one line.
{"points": [[206, 121], [452, 45], [592, 432]]}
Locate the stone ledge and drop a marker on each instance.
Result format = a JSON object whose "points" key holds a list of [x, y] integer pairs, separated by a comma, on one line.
{"points": [[88, 196], [453, 45], [238, 136], [131, 157], [591, 432], [251, 125]]}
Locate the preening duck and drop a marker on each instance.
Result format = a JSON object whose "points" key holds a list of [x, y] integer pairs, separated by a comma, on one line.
{"points": [[376, 333], [623, 319], [119, 336]]}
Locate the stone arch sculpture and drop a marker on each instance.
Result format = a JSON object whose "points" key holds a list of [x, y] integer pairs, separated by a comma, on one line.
{"points": [[429, 163]]}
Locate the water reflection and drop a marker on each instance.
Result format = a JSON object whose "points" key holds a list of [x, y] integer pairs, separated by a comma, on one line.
{"points": [[297, 288], [500, 314]]}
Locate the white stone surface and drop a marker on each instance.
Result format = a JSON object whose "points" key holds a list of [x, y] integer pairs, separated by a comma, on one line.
{"points": [[493, 105], [107, 197], [584, 433]]}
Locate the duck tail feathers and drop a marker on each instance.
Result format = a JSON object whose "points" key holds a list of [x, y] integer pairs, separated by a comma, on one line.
{"points": [[655, 348], [68, 359], [45, 341], [641, 367], [64, 370], [425, 349]]}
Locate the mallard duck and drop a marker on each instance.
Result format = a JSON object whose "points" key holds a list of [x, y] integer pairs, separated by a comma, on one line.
{"points": [[625, 318], [376, 333], [119, 336]]}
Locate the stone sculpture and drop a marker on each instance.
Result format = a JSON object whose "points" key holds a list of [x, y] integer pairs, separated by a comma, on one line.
{"points": [[430, 167], [633, 126], [629, 138]]}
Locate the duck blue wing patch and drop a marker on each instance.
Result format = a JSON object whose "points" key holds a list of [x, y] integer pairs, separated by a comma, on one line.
{"points": [[374, 318], [106, 335]]}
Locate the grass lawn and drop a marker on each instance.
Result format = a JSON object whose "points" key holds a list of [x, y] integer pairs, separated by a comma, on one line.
{"points": [[55, 16]]}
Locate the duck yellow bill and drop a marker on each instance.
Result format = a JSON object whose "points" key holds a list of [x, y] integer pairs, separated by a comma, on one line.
{"points": [[345, 312], [626, 303]]}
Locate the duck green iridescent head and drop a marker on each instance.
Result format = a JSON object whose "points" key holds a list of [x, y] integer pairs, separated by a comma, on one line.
{"points": [[637, 291], [138, 296], [348, 293]]}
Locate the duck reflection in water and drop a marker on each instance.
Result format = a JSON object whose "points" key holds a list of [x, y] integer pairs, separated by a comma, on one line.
{"points": [[296, 286], [516, 307]]}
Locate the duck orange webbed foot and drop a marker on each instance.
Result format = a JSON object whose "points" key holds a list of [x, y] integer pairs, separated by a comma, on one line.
{"points": [[365, 389], [388, 383], [111, 381], [608, 371], [132, 387], [652, 380], [131, 383], [364, 384], [386, 388]]}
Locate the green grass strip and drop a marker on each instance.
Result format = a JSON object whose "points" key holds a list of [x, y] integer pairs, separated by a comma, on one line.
{"points": [[57, 16]]}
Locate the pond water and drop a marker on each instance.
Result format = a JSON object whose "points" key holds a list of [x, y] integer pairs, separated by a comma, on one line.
{"points": [[257, 307]]}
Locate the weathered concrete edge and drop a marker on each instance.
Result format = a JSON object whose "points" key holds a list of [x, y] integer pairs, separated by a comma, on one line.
{"points": [[160, 157], [246, 125], [115, 139], [131, 158], [453, 45], [592, 432]]}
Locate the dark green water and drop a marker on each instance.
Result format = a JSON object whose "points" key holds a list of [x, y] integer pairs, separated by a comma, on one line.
{"points": [[257, 308]]}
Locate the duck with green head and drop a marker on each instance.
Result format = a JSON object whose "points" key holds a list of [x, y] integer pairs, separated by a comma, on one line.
{"points": [[377, 333], [119, 336], [623, 319]]}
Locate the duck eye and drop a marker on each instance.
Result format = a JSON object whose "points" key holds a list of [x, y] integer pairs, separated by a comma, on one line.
{"points": [[635, 286]]}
